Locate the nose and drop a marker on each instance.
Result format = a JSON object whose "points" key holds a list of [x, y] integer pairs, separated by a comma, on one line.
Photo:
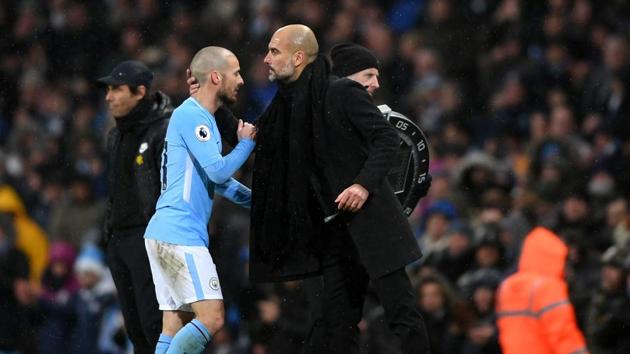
{"points": [[108, 96], [240, 81], [268, 58], [375, 83]]}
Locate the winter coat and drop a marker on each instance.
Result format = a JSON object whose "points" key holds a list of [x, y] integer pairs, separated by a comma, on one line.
{"points": [[352, 143], [146, 133], [29, 238], [360, 146], [533, 308]]}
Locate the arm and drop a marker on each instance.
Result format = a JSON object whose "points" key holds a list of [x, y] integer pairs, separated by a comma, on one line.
{"points": [[202, 143], [224, 167], [380, 139], [379, 136], [235, 192], [557, 318]]}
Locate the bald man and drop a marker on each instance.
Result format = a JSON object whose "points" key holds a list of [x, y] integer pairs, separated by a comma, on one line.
{"points": [[321, 203], [193, 169]]}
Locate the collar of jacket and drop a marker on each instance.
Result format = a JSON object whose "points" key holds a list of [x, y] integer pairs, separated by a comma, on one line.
{"points": [[147, 110]]}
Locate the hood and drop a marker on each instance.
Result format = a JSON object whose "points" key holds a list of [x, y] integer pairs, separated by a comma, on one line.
{"points": [[10, 202], [474, 159], [543, 253], [162, 106]]}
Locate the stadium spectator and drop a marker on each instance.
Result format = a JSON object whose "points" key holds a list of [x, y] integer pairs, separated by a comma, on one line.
{"points": [[608, 318], [14, 288]]}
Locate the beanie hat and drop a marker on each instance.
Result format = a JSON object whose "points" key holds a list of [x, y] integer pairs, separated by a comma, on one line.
{"points": [[350, 58], [62, 251], [91, 259]]}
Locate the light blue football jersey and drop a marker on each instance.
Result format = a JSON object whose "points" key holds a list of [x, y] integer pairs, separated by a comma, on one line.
{"points": [[193, 169]]}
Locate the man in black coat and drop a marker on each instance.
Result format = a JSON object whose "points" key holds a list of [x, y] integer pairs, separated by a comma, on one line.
{"points": [[323, 153], [134, 149]]}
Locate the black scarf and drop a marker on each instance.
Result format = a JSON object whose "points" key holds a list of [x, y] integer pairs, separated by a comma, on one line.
{"points": [[281, 189]]}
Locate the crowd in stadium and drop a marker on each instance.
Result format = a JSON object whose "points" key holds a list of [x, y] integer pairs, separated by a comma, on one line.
{"points": [[524, 104]]}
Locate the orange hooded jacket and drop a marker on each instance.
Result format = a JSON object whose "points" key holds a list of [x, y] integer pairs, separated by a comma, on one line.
{"points": [[533, 309]]}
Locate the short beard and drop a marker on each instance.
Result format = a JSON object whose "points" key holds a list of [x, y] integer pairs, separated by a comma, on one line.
{"points": [[224, 98], [285, 73]]}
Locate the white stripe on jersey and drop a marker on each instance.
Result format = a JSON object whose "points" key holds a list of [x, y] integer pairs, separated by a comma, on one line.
{"points": [[187, 179]]}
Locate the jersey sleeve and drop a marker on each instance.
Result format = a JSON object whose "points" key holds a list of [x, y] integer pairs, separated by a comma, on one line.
{"points": [[203, 143], [236, 192]]}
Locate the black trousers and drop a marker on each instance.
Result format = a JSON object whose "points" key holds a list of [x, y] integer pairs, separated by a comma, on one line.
{"points": [[337, 299], [129, 264]]}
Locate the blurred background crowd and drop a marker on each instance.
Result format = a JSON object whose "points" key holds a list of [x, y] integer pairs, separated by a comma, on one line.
{"points": [[525, 105]]}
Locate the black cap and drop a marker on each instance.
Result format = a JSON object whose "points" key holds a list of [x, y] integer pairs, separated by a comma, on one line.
{"points": [[130, 72], [350, 58]]}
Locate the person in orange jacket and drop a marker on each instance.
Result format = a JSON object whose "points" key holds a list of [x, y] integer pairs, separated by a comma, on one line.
{"points": [[533, 309]]}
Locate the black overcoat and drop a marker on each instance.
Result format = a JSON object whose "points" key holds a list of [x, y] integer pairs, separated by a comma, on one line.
{"points": [[355, 144]]}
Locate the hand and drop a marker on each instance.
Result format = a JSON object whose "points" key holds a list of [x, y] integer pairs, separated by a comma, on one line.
{"points": [[269, 311], [481, 334], [352, 198], [245, 130], [193, 85]]}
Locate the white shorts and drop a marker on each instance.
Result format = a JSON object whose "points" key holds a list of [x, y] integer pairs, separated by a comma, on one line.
{"points": [[182, 275]]}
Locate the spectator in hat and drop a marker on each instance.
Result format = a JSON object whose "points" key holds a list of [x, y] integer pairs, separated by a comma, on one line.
{"points": [[458, 257], [482, 335], [95, 298], [92, 303], [488, 258], [59, 285], [608, 320], [134, 148], [438, 220]]}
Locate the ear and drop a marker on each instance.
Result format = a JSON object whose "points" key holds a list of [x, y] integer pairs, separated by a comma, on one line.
{"points": [[142, 91], [298, 58], [215, 77]]}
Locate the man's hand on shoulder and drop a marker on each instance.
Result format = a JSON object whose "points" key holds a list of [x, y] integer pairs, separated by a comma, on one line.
{"points": [[352, 198]]}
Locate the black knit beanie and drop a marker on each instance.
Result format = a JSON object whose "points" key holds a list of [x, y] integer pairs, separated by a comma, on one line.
{"points": [[350, 58]]}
